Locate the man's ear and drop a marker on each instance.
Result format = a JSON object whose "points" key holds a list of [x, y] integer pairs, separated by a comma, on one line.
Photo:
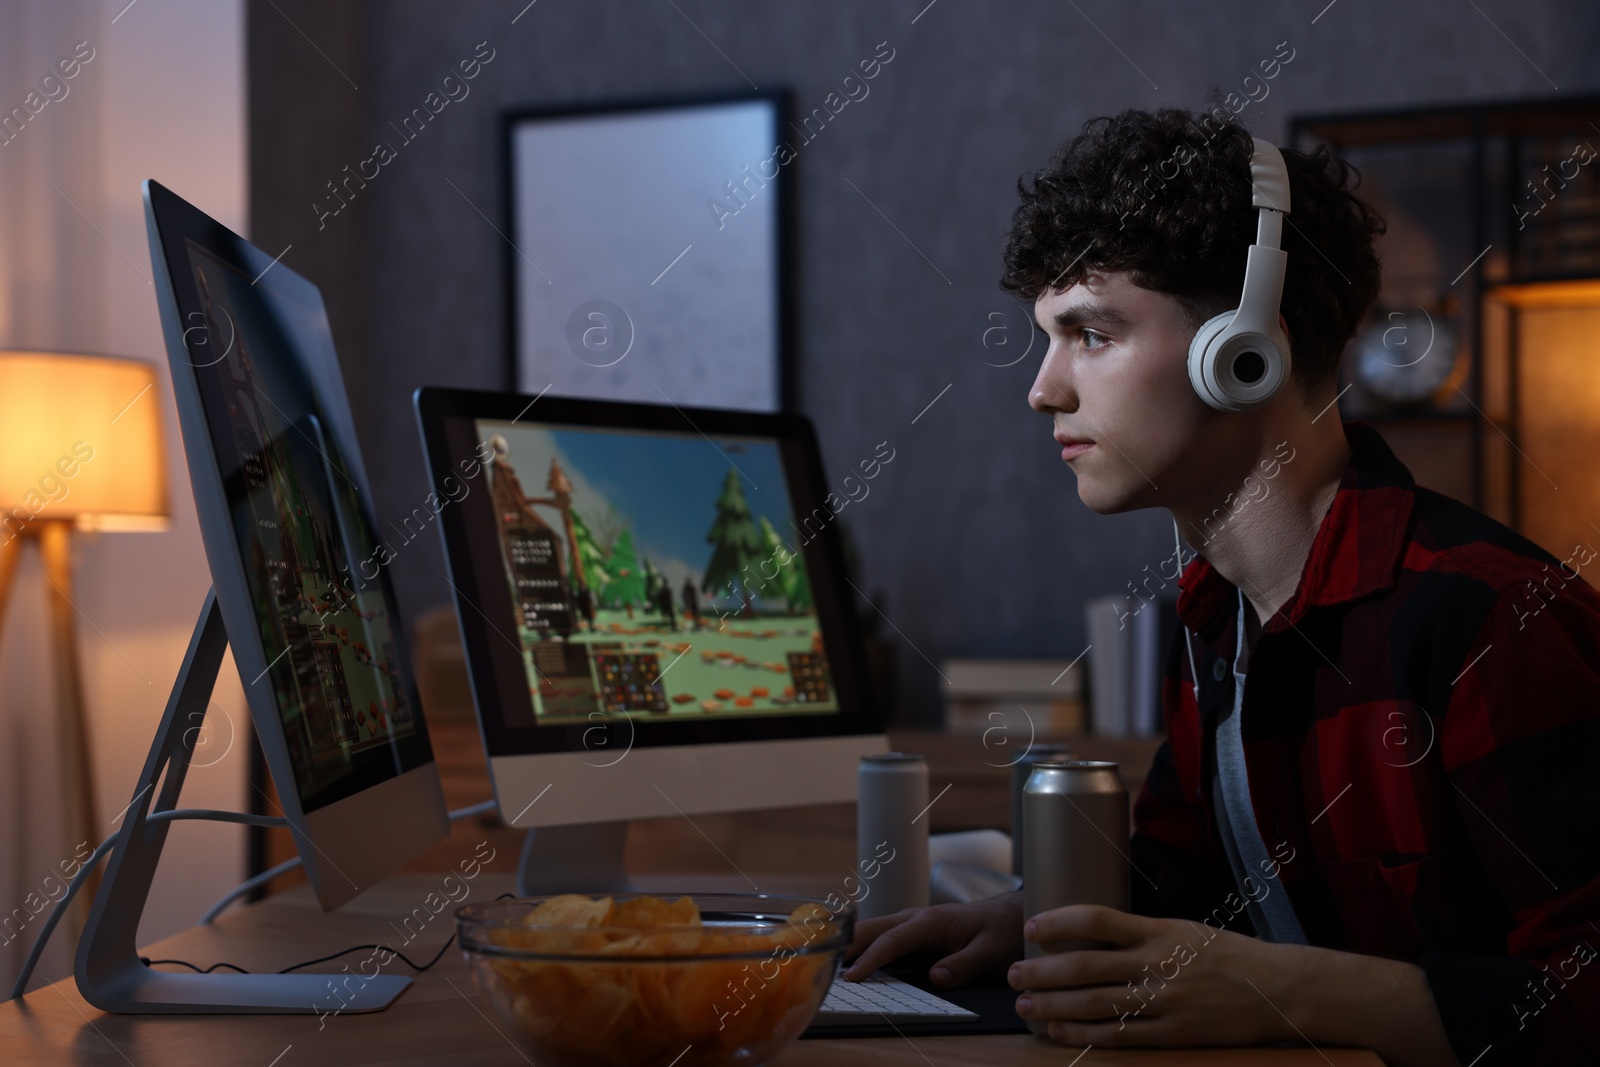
{"points": [[1283, 327]]}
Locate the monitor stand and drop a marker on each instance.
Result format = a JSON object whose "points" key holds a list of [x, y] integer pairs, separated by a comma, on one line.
{"points": [[109, 972], [569, 859]]}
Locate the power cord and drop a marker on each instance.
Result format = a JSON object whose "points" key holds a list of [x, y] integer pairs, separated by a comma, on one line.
{"points": [[418, 967], [60, 909], [250, 884], [210, 815], [55, 916]]}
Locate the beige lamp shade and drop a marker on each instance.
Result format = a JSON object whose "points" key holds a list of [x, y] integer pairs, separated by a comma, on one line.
{"points": [[80, 439]]}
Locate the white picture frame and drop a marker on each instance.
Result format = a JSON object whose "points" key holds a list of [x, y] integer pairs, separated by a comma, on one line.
{"points": [[646, 257]]}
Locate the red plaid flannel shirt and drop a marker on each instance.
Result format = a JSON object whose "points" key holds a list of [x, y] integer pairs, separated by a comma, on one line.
{"points": [[1421, 728]]}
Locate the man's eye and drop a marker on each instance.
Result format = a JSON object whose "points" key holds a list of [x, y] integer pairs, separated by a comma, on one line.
{"points": [[1094, 339]]}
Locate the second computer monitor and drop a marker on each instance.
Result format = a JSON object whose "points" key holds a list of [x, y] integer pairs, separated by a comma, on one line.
{"points": [[289, 533], [654, 607]]}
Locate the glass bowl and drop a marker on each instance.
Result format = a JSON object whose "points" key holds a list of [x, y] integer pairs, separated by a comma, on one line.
{"points": [[736, 989]]}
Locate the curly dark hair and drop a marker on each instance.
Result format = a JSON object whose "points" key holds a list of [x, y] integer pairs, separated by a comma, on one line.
{"points": [[1165, 196]]}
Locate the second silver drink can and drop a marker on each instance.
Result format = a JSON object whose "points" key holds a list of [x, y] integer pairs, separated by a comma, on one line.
{"points": [[1020, 772], [892, 833]]}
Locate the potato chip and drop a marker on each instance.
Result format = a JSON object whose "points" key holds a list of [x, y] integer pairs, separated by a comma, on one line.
{"points": [[561, 941], [603, 1003], [810, 909], [685, 912], [654, 912], [571, 909], [807, 923]]}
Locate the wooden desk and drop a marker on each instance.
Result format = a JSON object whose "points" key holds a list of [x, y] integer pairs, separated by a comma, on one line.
{"points": [[818, 837], [441, 1019]]}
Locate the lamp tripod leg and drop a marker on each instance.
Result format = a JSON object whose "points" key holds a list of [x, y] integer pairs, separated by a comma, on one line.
{"points": [[55, 545], [10, 550]]}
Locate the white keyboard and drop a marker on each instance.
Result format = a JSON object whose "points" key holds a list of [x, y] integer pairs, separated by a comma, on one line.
{"points": [[879, 997]]}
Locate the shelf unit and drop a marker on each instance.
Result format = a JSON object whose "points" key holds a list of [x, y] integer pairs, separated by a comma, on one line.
{"points": [[1491, 207]]}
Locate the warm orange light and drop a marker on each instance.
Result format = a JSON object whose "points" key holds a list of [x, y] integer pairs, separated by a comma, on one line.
{"points": [[1578, 292], [80, 439], [1556, 331]]}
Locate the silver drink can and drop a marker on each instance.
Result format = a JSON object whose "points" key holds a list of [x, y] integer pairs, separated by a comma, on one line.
{"points": [[1020, 771], [1075, 844], [892, 833]]}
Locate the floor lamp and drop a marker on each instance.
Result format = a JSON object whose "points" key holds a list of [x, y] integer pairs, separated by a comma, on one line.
{"points": [[80, 448]]}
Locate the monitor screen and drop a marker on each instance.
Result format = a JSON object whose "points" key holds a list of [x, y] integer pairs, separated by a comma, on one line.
{"points": [[635, 575], [654, 574], [335, 663]]}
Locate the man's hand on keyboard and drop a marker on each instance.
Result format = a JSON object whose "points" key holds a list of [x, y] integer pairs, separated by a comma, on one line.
{"points": [[980, 937]]}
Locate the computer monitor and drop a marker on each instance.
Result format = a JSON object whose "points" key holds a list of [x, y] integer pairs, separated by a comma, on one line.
{"points": [[287, 522], [655, 612]]}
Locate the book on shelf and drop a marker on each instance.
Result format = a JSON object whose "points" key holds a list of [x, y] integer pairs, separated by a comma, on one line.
{"points": [[1014, 698]]}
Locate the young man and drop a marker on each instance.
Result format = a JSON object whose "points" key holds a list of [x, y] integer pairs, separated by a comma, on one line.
{"points": [[1389, 772]]}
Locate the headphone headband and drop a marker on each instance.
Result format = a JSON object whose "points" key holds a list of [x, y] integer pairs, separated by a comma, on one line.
{"points": [[1238, 360], [1269, 178]]}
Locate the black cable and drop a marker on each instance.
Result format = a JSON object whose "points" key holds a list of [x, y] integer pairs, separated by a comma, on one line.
{"points": [[309, 963], [419, 968], [256, 881], [156, 817], [148, 962]]}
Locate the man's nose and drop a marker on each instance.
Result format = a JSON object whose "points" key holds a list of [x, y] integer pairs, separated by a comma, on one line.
{"points": [[1051, 391]]}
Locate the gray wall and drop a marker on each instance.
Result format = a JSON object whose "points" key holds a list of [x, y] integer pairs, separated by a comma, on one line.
{"points": [[975, 530]]}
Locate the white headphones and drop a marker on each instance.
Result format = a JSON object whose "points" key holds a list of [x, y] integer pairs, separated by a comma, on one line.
{"points": [[1238, 360]]}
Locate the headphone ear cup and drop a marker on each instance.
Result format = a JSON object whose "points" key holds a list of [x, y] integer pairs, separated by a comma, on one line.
{"points": [[1236, 369], [1202, 373]]}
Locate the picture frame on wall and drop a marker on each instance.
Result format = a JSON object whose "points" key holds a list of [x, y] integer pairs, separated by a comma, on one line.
{"points": [[648, 251]]}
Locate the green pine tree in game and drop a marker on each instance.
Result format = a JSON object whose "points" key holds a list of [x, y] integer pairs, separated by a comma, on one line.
{"points": [[790, 579], [591, 553], [626, 587], [737, 541]]}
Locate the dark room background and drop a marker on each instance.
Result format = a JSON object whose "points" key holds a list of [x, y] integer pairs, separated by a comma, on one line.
{"points": [[974, 534]]}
